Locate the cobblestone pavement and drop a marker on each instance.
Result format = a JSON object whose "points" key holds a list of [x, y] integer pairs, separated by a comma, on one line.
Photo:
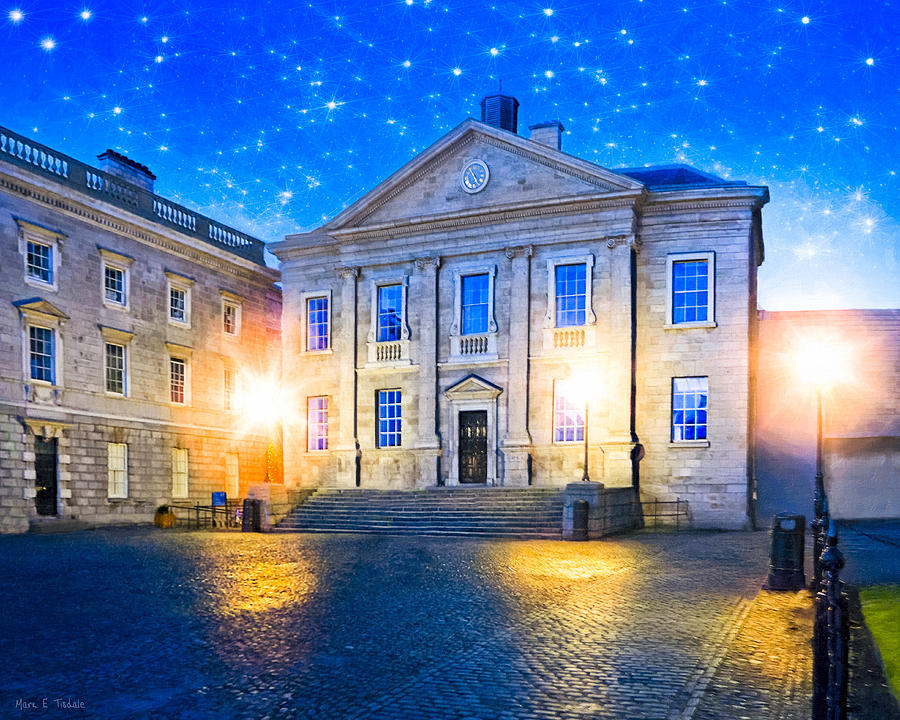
{"points": [[143, 623]]}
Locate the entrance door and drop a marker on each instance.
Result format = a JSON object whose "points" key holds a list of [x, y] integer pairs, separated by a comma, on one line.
{"points": [[45, 476], [473, 446]]}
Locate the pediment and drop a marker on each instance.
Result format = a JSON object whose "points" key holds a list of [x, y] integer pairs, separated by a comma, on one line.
{"points": [[522, 172], [39, 306], [472, 387]]}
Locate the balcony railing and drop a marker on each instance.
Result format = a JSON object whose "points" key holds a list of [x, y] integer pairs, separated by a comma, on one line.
{"points": [[21, 151]]}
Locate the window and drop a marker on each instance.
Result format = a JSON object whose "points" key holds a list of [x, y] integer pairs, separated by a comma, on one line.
{"points": [[571, 293], [568, 416], [232, 476], [228, 388], [42, 354], [117, 470], [114, 285], [475, 298], [115, 368], [179, 294], [390, 312], [229, 319], [690, 398], [690, 300], [389, 418], [317, 423], [39, 262], [177, 380], [316, 324], [179, 472]]}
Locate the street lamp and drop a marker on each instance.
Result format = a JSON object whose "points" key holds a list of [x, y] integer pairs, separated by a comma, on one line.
{"points": [[587, 385]]}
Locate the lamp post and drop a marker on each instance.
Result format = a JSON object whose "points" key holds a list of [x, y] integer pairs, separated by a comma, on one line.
{"points": [[820, 500], [585, 477]]}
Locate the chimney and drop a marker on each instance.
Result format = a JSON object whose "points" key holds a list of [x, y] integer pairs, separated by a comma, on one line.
{"points": [[501, 111], [548, 133], [123, 167]]}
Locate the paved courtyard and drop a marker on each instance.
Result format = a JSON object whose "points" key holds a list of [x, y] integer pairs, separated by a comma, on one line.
{"points": [[143, 623]]}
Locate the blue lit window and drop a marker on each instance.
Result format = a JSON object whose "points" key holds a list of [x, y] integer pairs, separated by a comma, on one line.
{"points": [[474, 304], [317, 423], [39, 260], [317, 323], [41, 353], [390, 312], [690, 291], [389, 418], [568, 418], [690, 397], [571, 295]]}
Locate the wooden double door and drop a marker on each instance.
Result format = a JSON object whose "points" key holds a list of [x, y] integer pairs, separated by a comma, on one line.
{"points": [[473, 442]]}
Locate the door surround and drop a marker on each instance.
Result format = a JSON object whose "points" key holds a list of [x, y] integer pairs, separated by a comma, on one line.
{"points": [[473, 393]]}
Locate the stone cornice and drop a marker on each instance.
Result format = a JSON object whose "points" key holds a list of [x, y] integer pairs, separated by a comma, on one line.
{"points": [[87, 213], [738, 197]]}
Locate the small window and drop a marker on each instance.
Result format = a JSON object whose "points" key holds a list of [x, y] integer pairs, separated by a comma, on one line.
{"points": [[117, 469], [39, 262], [389, 418], [390, 312], [690, 291], [316, 324], [571, 295], [228, 388], [42, 354], [568, 417], [114, 285], [475, 297], [230, 314], [317, 423], [232, 476], [690, 397], [177, 380], [179, 472], [115, 369], [178, 304]]}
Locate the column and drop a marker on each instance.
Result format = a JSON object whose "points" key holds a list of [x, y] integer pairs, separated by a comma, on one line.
{"points": [[428, 442], [619, 443], [516, 446], [344, 333]]}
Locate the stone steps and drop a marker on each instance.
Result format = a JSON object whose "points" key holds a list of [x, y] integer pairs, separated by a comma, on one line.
{"points": [[481, 512]]}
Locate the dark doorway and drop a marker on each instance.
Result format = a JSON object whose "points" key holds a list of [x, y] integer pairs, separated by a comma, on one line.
{"points": [[473, 446], [45, 476]]}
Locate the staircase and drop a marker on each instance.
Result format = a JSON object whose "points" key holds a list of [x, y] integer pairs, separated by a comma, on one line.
{"points": [[473, 512]]}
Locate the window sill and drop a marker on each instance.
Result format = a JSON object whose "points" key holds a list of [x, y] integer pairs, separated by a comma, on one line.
{"points": [[691, 325], [117, 500], [107, 393], [326, 351], [41, 284], [690, 444], [109, 304], [180, 324]]}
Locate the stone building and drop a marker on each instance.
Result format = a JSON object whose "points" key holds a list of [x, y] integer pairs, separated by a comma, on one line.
{"points": [[129, 325], [497, 305]]}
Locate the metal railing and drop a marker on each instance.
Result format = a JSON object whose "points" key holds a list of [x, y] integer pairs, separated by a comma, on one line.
{"points": [[666, 513], [831, 637], [195, 517], [60, 168]]}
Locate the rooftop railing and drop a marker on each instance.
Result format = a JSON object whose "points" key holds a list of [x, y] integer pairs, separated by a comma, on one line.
{"points": [[21, 151]]}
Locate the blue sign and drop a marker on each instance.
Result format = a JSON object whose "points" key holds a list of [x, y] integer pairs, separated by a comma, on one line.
{"points": [[219, 499]]}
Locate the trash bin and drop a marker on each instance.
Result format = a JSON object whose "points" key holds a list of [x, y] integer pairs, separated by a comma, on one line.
{"points": [[580, 520], [250, 521], [786, 557]]}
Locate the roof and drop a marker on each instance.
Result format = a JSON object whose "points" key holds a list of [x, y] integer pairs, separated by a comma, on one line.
{"points": [[670, 177]]}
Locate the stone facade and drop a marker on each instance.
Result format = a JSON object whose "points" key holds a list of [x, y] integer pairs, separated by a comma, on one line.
{"points": [[488, 204], [89, 259]]}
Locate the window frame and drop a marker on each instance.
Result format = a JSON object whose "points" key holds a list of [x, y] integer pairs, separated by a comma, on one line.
{"points": [[701, 442], [319, 424], [399, 354], [184, 354], [672, 259], [569, 407], [229, 389], [180, 455], [106, 368], [183, 284], [236, 302], [389, 433], [111, 483], [460, 349], [121, 263], [552, 263], [304, 323], [114, 336], [52, 239], [54, 354]]}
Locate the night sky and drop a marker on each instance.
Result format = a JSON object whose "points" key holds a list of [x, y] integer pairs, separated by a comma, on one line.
{"points": [[273, 116]]}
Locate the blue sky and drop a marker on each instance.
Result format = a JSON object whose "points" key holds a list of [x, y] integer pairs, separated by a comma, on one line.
{"points": [[274, 116]]}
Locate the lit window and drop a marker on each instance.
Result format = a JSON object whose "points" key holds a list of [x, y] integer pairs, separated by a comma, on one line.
{"points": [[230, 318], [177, 380], [228, 388], [114, 285], [179, 472], [475, 304], [117, 470], [568, 418], [41, 354], [390, 312], [690, 397], [690, 291], [317, 323], [389, 418], [317, 423], [571, 295], [115, 368], [178, 304], [39, 261]]}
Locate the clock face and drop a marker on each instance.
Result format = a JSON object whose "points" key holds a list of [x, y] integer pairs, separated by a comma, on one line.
{"points": [[474, 176]]}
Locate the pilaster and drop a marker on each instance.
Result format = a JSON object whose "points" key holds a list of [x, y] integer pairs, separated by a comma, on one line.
{"points": [[428, 442], [347, 451]]}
